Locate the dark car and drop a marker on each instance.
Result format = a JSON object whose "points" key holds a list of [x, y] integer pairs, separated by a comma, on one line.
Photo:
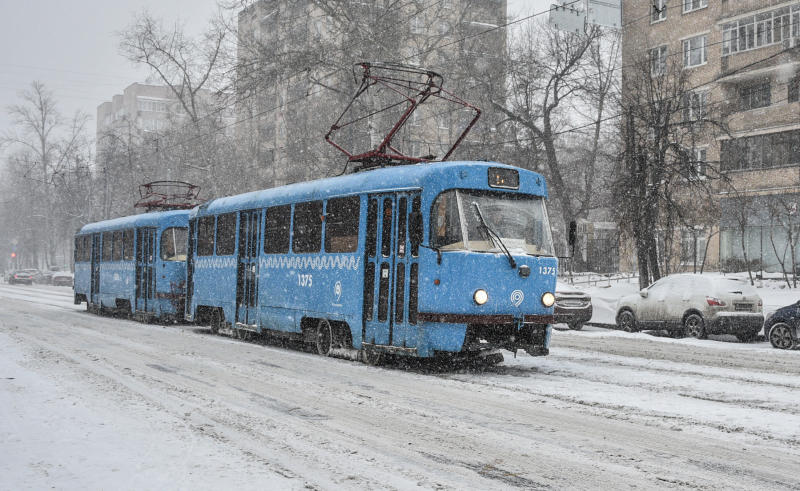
{"points": [[781, 327], [27, 276], [573, 307]]}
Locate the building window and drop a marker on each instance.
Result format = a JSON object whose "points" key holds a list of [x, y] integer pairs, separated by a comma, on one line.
{"points": [[694, 106], [698, 164], [695, 51], [658, 59], [764, 29], [690, 5], [755, 96], [152, 105], [417, 25], [761, 151], [658, 10], [794, 89], [693, 247]]}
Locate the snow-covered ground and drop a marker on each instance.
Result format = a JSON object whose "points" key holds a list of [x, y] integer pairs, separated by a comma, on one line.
{"points": [[99, 403]]}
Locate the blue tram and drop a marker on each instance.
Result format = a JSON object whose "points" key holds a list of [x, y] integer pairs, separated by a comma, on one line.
{"points": [[134, 265], [422, 260]]}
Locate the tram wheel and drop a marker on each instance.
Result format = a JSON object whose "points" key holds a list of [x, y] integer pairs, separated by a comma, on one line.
{"points": [[324, 338], [215, 321]]}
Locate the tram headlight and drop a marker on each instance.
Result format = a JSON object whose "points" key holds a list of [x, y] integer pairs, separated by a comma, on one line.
{"points": [[480, 297], [548, 299]]}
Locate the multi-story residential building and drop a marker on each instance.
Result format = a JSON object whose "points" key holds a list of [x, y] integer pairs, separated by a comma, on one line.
{"points": [[296, 63], [145, 109], [741, 58]]}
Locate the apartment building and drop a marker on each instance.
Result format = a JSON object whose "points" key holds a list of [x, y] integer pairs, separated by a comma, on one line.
{"points": [[145, 110], [742, 59], [297, 74]]}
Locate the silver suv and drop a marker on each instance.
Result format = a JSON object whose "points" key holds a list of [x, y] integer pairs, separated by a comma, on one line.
{"points": [[694, 305]]}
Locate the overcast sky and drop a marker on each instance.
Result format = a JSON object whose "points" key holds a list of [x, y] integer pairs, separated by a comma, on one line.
{"points": [[71, 46]]}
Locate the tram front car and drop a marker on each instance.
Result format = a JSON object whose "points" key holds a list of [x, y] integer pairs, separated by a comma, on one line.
{"points": [[487, 263]]}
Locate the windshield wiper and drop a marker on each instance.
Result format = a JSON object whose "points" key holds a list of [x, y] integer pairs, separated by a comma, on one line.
{"points": [[493, 235]]}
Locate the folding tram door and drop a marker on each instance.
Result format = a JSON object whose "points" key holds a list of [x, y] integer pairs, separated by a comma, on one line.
{"points": [[145, 279], [247, 270], [391, 272], [97, 253]]}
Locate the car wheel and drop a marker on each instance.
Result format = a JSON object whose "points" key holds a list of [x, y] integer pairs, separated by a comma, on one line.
{"points": [[694, 326], [780, 336], [576, 326], [626, 321]]}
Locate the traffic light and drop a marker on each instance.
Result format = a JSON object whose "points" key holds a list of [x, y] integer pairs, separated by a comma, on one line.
{"points": [[13, 255]]}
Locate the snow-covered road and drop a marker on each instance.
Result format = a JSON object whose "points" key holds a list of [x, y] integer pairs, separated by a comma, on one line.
{"points": [[90, 403]]}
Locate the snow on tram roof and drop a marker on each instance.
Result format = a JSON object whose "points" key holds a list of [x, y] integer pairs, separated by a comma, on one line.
{"points": [[373, 181], [151, 219]]}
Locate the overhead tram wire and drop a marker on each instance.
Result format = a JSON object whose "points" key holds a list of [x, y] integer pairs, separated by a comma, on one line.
{"points": [[298, 99]]}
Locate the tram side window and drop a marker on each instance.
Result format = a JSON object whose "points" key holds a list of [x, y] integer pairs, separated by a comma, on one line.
{"points": [[307, 227], [205, 236], [276, 229], [173, 244], [127, 245], [117, 254], [341, 224], [226, 234], [87, 248], [108, 245], [77, 254], [445, 223]]}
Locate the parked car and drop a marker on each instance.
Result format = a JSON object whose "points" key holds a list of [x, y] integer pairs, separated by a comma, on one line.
{"points": [[694, 305], [781, 327], [573, 307], [27, 276], [62, 278]]}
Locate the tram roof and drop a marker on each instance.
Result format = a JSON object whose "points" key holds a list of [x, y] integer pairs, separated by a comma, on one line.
{"points": [[151, 219], [449, 174]]}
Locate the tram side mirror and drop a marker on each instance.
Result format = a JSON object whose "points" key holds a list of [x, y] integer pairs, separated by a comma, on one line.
{"points": [[643, 292], [573, 232], [415, 227]]}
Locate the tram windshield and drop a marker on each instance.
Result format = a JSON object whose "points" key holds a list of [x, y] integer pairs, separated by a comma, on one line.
{"points": [[518, 221]]}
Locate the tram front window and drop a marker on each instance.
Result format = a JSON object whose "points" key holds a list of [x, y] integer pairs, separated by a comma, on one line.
{"points": [[520, 222]]}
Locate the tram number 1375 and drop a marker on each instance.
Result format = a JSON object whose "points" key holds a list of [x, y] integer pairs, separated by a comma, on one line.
{"points": [[547, 270], [304, 280]]}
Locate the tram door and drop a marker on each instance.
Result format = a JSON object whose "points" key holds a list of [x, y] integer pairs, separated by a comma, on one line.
{"points": [[247, 271], [391, 272], [145, 257], [190, 265], [97, 252]]}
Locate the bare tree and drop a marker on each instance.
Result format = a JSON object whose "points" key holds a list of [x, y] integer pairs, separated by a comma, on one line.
{"points": [[662, 185], [546, 71], [47, 155]]}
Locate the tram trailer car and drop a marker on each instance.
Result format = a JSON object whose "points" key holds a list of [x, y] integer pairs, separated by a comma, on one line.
{"points": [[405, 260], [133, 265]]}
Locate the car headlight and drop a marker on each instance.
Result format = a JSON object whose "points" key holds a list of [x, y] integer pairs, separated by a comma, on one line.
{"points": [[480, 297], [548, 299]]}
